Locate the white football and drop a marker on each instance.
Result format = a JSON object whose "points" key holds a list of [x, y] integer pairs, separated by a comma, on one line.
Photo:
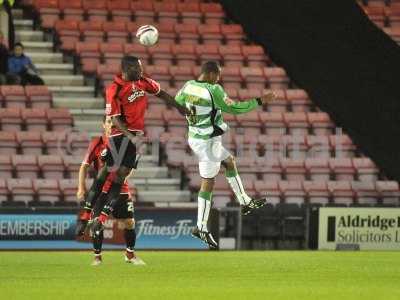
{"points": [[147, 35]]}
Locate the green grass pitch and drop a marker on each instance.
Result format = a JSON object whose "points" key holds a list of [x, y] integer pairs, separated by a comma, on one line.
{"points": [[202, 275]]}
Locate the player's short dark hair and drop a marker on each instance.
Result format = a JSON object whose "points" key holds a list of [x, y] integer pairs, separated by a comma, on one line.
{"points": [[128, 60], [19, 45], [210, 67]]}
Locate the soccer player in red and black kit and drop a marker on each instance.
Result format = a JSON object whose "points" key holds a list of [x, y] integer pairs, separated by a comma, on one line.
{"points": [[124, 208], [126, 103]]}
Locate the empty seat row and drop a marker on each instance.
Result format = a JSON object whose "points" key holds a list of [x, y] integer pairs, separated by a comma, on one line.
{"points": [[39, 166], [120, 31], [46, 142], [141, 11], [382, 16], [29, 96], [316, 169], [340, 192], [93, 54], [36, 119]]}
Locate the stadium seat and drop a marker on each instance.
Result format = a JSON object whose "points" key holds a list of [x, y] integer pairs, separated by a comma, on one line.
{"points": [[143, 12], [293, 169], [318, 169], [49, 12], [280, 104], [254, 54], [233, 35], [249, 120], [296, 123], [318, 146], [89, 54], [51, 166], [253, 77], [30, 142], [10, 119], [96, 10], [388, 192], [221, 187], [269, 189], [4, 192], [6, 167], [190, 13], [296, 146], [72, 165], [21, 190], [187, 33], [276, 77], [161, 55], [139, 51], [69, 188], [316, 191], [185, 55], [26, 166], [366, 169], [232, 56], [47, 190], [292, 191], [213, 13], [342, 168], [120, 10], [68, 34], [112, 52], [8, 142], [342, 145], [166, 11], [210, 34], [208, 52], [92, 31], [167, 33], [116, 32], [376, 14], [341, 192], [13, 96], [60, 119], [231, 77], [39, 96], [320, 123], [298, 100], [181, 74], [365, 192], [175, 122], [35, 119], [273, 123], [72, 9]]}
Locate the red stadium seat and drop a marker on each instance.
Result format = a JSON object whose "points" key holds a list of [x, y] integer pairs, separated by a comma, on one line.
{"points": [[269, 166], [231, 77], [185, 55], [54, 141], [49, 12], [95, 9], [161, 55], [342, 168], [116, 31], [119, 9], [250, 119], [318, 146], [167, 33], [72, 165], [59, 118], [187, 33], [181, 74], [221, 187], [166, 11], [143, 12], [292, 191], [47, 190], [366, 169], [365, 192], [296, 146], [112, 52], [160, 74], [269, 189], [279, 104], [341, 192], [8, 143], [89, 54], [13, 95], [276, 77], [6, 167], [316, 191], [232, 56], [10, 119], [35, 119], [69, 188], [211, 34], [213, 13], [318, 169], [21, 189], [30, 142], [139, 51], [68, 32], [208, 52], [247, 94], [175, 122], [376, 14], [320, 123], [72, 9], [52, 166], [298, 100], [273, 123], [297, 123], [388, 192], [294, 169], [393, 14], [92, 31], [39, 96], [26, 166], [342, 145], [254, 77], [233, 34], [255, 55], [190, 13], [4, 192]]}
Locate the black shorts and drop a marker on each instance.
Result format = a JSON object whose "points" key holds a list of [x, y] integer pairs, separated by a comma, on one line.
{"points": [[120, 152], [123, 209]]}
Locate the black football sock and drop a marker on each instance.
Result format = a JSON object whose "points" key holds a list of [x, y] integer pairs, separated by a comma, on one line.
{"points": [[130, 238], [94, 193], [112, 197], [98, 242]]}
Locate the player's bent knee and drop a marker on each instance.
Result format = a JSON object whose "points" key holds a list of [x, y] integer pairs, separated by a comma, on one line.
{"points": [[129, 223]]}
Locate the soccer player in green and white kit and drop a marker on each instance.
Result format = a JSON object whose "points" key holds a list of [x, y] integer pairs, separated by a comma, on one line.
{"points": [[206, 99]]}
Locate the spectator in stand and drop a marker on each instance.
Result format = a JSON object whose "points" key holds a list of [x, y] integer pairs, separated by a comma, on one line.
{"points": [[21, 70], [3, 60]]}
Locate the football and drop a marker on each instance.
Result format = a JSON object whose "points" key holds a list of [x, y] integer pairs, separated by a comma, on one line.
{"points": [[147, 35]]}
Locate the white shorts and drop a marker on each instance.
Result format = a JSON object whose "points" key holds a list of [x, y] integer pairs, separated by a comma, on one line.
{"points": [[210, 154]]}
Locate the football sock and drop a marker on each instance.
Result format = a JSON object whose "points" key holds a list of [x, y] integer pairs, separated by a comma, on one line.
{"points": [[130, 239], [203, 210], [93, 194], [237, 186], [98, 242], [112, 197]]}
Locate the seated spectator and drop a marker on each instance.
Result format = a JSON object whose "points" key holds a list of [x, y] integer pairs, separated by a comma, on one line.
{"points": [[21, 70], [3, 59]]}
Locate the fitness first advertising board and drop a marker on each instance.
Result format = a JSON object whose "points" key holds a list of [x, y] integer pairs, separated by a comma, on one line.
{"points": [[156, 229], [370, 228]]}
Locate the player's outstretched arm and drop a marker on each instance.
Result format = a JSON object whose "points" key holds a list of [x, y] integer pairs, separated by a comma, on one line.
{"points": [[83, 170], [171, 101]]}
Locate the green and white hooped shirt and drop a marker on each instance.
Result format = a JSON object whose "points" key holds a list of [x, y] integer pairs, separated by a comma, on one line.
{"points": [[207, 102]]}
